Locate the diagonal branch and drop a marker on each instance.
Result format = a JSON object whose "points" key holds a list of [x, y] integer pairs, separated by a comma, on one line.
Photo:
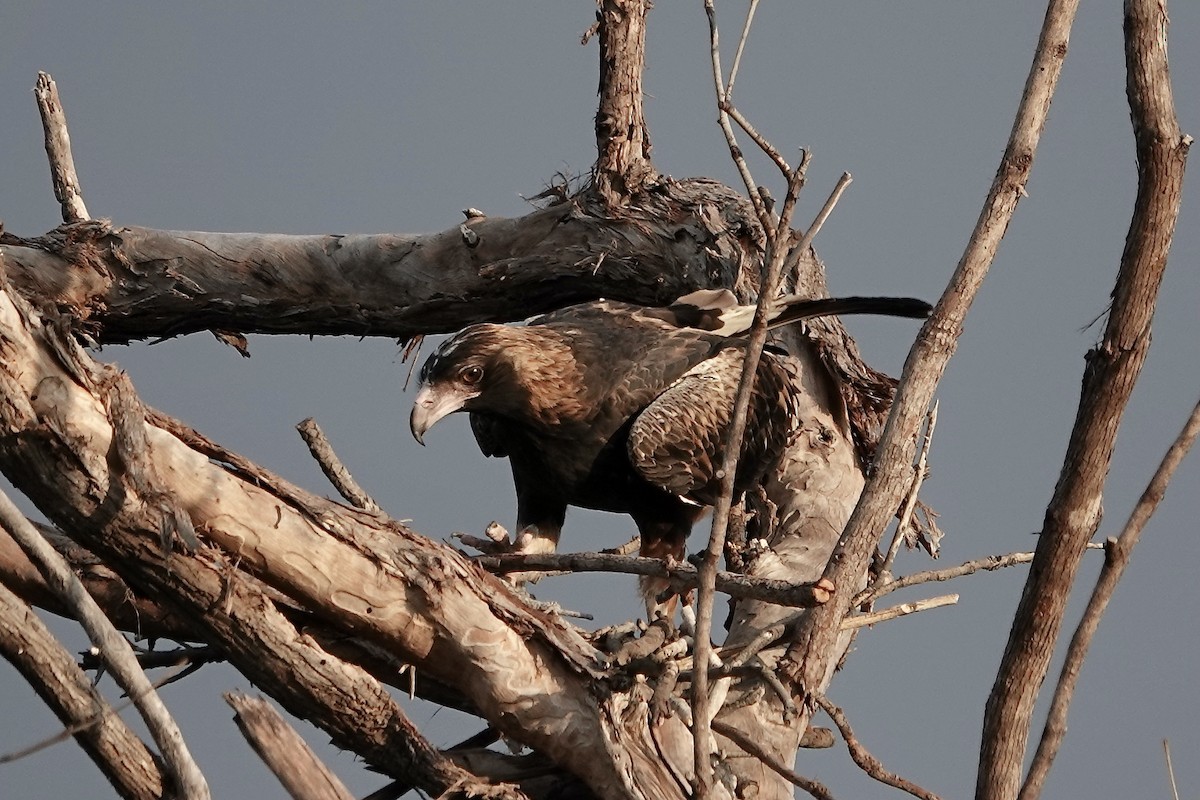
{"points": [[807, 659], [125, 761], [114, 649], [863, 758], [283, 750], [1117, 552], [777, 254], [1109, 376]]}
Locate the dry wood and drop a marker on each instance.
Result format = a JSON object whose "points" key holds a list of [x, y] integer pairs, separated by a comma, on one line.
{"points": [[987, 563], [52, 672], [1110, 373], [287, 755], [777, 253], [58, 150], [801, 595], [1118, 552], [184, 773], [623, 169], [333, 467], [903, 610], [813, 787], [807, 661], [863, 758], [529, 672]]}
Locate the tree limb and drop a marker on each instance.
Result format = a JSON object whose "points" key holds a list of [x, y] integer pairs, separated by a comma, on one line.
{"points": [[1117, 554], [52, 672], [285, 753], [807, 660], [58, 150], [1112, 368], [114, 649]]}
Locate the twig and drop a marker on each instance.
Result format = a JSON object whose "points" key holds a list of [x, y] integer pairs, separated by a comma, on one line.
{"points": [[333, 467], [758, 138], [910, 501], [987, 564], [1117, 553], [867, 762], [58, 150], [1170, 769], [814, 788], [735, 152], [902, 610], [113, 647], [741, 46], [288, 756], [777, 254], [105, 713], [784, 593]]}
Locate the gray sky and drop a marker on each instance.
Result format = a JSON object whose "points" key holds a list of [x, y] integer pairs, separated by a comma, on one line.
{"points": [[371, 117]]}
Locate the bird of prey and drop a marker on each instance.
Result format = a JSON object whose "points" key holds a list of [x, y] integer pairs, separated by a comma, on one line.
{"points": [[622, 408]]}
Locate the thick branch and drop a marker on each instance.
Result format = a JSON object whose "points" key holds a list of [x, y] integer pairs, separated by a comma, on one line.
{"points": [[52, 672], [285, 753], [808, 658], [1112, 369], [623, 167], [527, 672], [136, 283], [1118, 552]]}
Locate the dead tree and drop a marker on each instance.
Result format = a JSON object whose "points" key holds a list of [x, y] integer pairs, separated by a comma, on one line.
{"points": [[322, 604]]}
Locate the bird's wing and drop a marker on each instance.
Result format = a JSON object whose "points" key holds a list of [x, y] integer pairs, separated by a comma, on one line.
{"points": [[488, 435], [676, 442]]}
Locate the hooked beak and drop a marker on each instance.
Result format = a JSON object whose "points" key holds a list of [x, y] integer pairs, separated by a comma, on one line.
{"points": [[430, 406]]}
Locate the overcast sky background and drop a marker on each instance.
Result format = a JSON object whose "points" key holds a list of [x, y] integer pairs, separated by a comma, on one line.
{"points": [[391, 117]]}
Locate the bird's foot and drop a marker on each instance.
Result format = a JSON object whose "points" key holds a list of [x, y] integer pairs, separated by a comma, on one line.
{"points": [[529, 541]]}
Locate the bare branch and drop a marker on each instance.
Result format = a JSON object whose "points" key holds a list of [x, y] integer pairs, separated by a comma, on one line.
{"points": [[1110, 374], [784, 593], [808, 657], [58, 150], [623, 165], [910, 500], [1117, 552], [904, 609], [113, 648], [125, 761], [777, 254], [814, 788], [126, 283], [1170, 769], [987, 563], [771, 151], [333, 467], [867, 762], [735, 152], [285, 753], [741, 46]]}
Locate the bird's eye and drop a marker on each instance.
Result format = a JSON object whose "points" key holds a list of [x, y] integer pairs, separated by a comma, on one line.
{"points": [[471, 375]]}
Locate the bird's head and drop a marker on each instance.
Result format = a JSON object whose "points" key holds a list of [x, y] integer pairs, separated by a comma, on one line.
{"points": [[458, 376]]}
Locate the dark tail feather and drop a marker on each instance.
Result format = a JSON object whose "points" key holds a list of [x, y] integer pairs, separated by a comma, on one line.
{"points": [[796, 309]]}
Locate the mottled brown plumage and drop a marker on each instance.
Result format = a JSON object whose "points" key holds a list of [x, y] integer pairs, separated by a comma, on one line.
{"points": [[621, 408]]}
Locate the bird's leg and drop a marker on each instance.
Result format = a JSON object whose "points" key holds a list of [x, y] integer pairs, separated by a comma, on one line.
{"points": [[664, 540], [536, 533]]}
